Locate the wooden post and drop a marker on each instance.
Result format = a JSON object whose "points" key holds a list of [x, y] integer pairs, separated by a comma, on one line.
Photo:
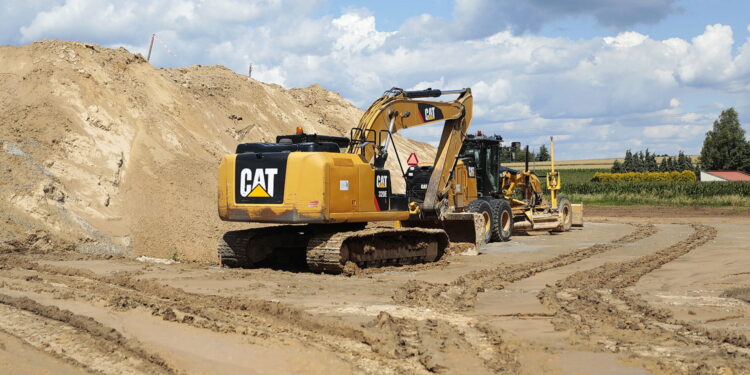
{"points": [[250, 71], [151, 47]]}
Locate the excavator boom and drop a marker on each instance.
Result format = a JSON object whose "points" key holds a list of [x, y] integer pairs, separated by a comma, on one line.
{"points": [[399, 109]]}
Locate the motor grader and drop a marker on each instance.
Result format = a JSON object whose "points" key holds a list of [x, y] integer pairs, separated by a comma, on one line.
{"points": [[324, 191], [513, 198]]}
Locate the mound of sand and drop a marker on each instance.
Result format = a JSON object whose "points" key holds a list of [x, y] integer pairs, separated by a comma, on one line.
{"points": [[102, 152]]}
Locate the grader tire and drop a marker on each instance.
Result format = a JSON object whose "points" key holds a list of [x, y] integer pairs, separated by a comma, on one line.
{"points": [[502, 220], [484, 208], [565, 211]]}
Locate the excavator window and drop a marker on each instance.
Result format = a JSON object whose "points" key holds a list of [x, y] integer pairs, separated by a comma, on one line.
{"points": [[490, 169]]}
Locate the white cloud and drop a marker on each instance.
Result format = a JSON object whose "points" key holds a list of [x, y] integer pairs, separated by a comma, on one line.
{"points": [[674, 131], [269, 74], [709, 59], [599, 95], [356, 33], [440, 83], [626, 40]]}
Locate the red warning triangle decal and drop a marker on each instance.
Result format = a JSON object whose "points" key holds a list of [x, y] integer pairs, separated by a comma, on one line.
{"points": [[412, 159]]}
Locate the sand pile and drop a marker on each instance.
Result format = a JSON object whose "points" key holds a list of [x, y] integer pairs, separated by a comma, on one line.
{"points": [[102, 152]]}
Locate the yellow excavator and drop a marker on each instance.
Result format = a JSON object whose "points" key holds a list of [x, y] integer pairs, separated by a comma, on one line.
{"points": [[326, 189]]}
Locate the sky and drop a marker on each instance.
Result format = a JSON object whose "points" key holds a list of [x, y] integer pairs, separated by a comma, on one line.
{"points": [[601, 76]]}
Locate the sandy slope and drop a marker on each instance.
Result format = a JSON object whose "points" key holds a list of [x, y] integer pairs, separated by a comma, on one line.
{"points": [[102, 151]]}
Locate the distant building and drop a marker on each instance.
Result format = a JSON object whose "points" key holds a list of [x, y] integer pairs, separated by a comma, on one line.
{"points": [[724, 176]]}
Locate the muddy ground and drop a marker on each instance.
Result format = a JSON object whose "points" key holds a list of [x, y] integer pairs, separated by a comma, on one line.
{"points": [[639, 292]]}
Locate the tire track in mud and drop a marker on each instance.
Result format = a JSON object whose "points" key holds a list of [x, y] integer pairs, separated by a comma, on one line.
{"points": [[461, 294], [597, 306], [77, 339], [385, 345]]}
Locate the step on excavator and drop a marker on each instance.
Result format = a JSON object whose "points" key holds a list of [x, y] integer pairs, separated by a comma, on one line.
{"points": [[513, 198], [324, 190]]}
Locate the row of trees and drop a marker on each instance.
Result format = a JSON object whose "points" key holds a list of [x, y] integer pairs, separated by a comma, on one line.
{"points": [[508, 155], [724, 149], [646, 162]]}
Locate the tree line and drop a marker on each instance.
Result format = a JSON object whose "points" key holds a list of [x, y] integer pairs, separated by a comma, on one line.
{"points": [[509, 155], [645, 161], [724, 149]]}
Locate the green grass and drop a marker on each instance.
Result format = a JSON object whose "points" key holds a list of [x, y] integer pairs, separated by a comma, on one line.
{"points": [[613, 199], [732, 194]]}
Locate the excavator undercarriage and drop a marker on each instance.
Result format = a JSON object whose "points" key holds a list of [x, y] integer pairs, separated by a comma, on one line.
{"points": [[330, 249]]}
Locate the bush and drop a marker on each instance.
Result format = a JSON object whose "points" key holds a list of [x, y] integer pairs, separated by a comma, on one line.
{"points": [[684, 176], [664, 189]]}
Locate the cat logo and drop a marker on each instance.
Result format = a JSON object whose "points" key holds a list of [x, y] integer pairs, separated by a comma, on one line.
{"points": [[381, 181], [429, 113], [258, 183]]}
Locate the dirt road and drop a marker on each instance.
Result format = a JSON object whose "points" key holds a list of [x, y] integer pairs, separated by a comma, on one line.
{"points": [[629, 295]]}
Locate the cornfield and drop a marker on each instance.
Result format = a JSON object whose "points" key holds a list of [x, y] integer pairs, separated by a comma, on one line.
{"points": [[664, 190], [684, 176]]}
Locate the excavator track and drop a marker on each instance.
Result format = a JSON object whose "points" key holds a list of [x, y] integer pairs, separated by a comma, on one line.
{"points": [[245, 248], [374, 247]]}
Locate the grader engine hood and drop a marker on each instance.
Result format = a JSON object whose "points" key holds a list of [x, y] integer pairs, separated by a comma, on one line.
{"points": [[260, 178]]}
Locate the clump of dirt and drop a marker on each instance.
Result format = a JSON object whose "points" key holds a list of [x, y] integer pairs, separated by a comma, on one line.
{"points": [[351, 269], [437, 345], [459, 247], [104, 153], [742, 294]]}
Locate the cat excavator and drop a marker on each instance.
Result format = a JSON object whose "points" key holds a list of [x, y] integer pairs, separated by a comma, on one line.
{"points": [[324, 190]]}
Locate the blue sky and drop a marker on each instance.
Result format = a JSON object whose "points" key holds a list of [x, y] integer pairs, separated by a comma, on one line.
{"points": [[600, 75]]}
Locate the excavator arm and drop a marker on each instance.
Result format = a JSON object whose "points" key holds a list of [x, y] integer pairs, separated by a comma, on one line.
{"points": [[398, 109]]}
